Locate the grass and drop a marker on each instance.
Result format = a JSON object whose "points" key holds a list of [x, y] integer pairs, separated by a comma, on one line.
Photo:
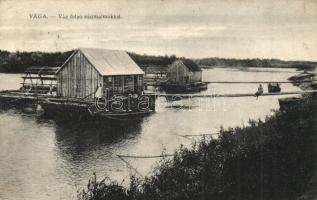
{"points": [[270, 159]]}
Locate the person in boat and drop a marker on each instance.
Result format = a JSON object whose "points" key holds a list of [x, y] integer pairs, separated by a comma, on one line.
{"points": [[259, 92]]}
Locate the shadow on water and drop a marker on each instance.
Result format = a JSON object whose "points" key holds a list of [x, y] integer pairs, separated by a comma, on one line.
{"points": [[77, 140]]}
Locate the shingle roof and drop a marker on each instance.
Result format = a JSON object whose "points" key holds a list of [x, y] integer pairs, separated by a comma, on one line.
{"points": [[111, 62], [191, 65]]}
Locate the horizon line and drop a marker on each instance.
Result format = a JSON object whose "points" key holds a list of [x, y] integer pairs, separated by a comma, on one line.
{"points": [[232, 58]]}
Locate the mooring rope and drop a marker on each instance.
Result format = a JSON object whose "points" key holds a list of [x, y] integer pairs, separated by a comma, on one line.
{"points": [[129, 165], [187, 95], [120, 119], [152, 156], [230, 95], [198, 135], [164, 155], [252, 82]]}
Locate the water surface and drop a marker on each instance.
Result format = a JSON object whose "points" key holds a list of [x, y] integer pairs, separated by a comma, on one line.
{"points": [[46, 159]]}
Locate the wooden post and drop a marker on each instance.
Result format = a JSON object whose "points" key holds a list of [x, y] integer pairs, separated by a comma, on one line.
{"points": [[23, 82], [122, 83]]}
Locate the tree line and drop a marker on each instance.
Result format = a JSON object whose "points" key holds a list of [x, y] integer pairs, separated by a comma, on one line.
{"points": [[17, 62], [256, 62]]}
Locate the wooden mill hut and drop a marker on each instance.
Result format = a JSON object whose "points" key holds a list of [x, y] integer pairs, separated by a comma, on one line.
{"points": [[89, 68], [184, 71]]}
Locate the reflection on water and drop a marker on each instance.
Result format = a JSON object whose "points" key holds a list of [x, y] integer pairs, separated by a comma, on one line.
{"points": [[92, 147], [51, 159], [80, 141]]}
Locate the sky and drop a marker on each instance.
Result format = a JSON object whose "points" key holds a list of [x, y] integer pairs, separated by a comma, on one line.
{"points": [[283, 29]]}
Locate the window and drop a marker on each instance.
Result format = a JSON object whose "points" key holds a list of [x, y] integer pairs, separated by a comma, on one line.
{"points": [[140, 82], [118, 84], [108, 86], [128, 84]]}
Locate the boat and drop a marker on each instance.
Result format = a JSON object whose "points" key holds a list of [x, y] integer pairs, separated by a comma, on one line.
{"points": [[190, 87], [115, 108], [274, 87]]}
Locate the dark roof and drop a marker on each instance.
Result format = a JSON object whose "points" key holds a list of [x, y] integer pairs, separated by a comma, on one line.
{"points": [[191, 65]]}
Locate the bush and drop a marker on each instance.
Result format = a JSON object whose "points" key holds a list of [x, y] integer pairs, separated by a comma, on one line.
{"points": [[271, 159]]}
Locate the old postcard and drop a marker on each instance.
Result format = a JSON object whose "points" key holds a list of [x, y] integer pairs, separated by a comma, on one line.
{"points": [[158, 99]]}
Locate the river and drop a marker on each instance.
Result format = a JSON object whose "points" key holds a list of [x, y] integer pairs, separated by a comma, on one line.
{"points": [[45, 159]]}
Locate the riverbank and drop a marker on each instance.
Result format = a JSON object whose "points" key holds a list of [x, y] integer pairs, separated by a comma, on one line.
{"points": [[269, 159], [305, 80]]}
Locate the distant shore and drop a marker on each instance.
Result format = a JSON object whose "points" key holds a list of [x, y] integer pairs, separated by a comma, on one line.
{"points": [[17, 62]]}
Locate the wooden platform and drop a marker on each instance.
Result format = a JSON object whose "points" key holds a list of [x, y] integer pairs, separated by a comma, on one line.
{"points": [[74, 108]]}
